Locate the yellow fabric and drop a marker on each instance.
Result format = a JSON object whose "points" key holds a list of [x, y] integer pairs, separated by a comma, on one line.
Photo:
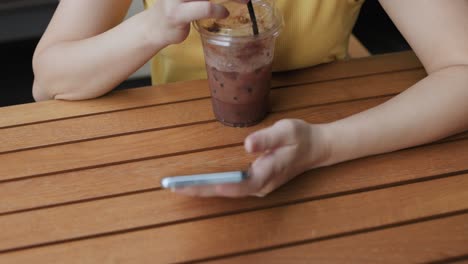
{"points": [[315, 32]]}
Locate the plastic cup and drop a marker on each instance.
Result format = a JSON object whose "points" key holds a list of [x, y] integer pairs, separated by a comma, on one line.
{"points": [[239, 63]]}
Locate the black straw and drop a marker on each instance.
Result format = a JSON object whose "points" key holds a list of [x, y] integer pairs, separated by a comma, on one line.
{"points": [[253, 17]]}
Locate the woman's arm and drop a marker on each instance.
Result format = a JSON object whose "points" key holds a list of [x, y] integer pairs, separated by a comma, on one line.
{"points": [[87, 51], [72, 58], [435, 107]]}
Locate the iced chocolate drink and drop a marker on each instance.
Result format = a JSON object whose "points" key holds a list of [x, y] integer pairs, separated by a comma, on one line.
{"points": [[239, 63]]}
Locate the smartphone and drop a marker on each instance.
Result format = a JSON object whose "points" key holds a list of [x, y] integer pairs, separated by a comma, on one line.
{"points": [[204, 179]]}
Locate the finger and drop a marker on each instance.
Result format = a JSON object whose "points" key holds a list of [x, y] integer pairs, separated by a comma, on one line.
{"points": [[242, 1], [280, 134], [281, 170], [258, 177], [190, 11], [261, 169], [224, 1], [200, 191]]}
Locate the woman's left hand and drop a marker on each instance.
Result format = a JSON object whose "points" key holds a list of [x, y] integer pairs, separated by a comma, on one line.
{"points": [[288, 148]]}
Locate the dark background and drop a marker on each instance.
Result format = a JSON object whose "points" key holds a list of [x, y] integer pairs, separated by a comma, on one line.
{"points": [[373, 28]]}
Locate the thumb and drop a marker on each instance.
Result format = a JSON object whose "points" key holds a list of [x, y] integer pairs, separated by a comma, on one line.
{"points": [[278, 135]]}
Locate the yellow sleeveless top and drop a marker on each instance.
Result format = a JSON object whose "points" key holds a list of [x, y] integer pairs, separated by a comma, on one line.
{"points": [[315, 32]]}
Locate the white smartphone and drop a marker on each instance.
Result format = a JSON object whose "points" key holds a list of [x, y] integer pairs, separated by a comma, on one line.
{"points": [[204, 179]]}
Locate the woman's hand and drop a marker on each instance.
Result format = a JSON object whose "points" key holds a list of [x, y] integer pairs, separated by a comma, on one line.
{"points": [[87, 37], [288, 148], [173, 17]]}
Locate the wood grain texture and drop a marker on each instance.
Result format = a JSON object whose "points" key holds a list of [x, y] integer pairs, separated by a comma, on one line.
{"points": [[176, 92], [130, 177], [120, 212], [177, 114], [114, 101], [147, 145], [345, 69], [435, 240], [255, 230], [79, 182]]}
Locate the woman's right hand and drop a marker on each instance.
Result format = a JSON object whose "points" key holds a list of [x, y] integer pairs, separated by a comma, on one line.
{"points": [[172, 18], [87, 37]]}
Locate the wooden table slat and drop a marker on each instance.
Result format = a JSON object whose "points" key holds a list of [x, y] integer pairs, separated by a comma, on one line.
{"points": [[176, 92], [391, 62], [120, 212], [253, 230], [155, 143], [436, 240], [136, 176], [19, 115], [163, 116], [79, 181]]}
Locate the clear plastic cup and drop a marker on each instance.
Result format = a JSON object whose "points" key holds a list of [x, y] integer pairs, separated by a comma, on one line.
{"points": [[239, 63]]}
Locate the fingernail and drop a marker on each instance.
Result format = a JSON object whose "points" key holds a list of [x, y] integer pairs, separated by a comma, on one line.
{"points": [[249, 145], [177, 190], [220, 11]]}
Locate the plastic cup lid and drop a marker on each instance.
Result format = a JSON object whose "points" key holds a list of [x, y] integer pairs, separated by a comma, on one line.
{"points": [[238, 23]]}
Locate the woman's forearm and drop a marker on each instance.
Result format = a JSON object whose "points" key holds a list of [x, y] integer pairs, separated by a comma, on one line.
{"points": [[88, 68], [434, 108]]}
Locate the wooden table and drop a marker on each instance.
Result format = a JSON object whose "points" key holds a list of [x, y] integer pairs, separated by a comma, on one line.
{"points": [[79, 181]]}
